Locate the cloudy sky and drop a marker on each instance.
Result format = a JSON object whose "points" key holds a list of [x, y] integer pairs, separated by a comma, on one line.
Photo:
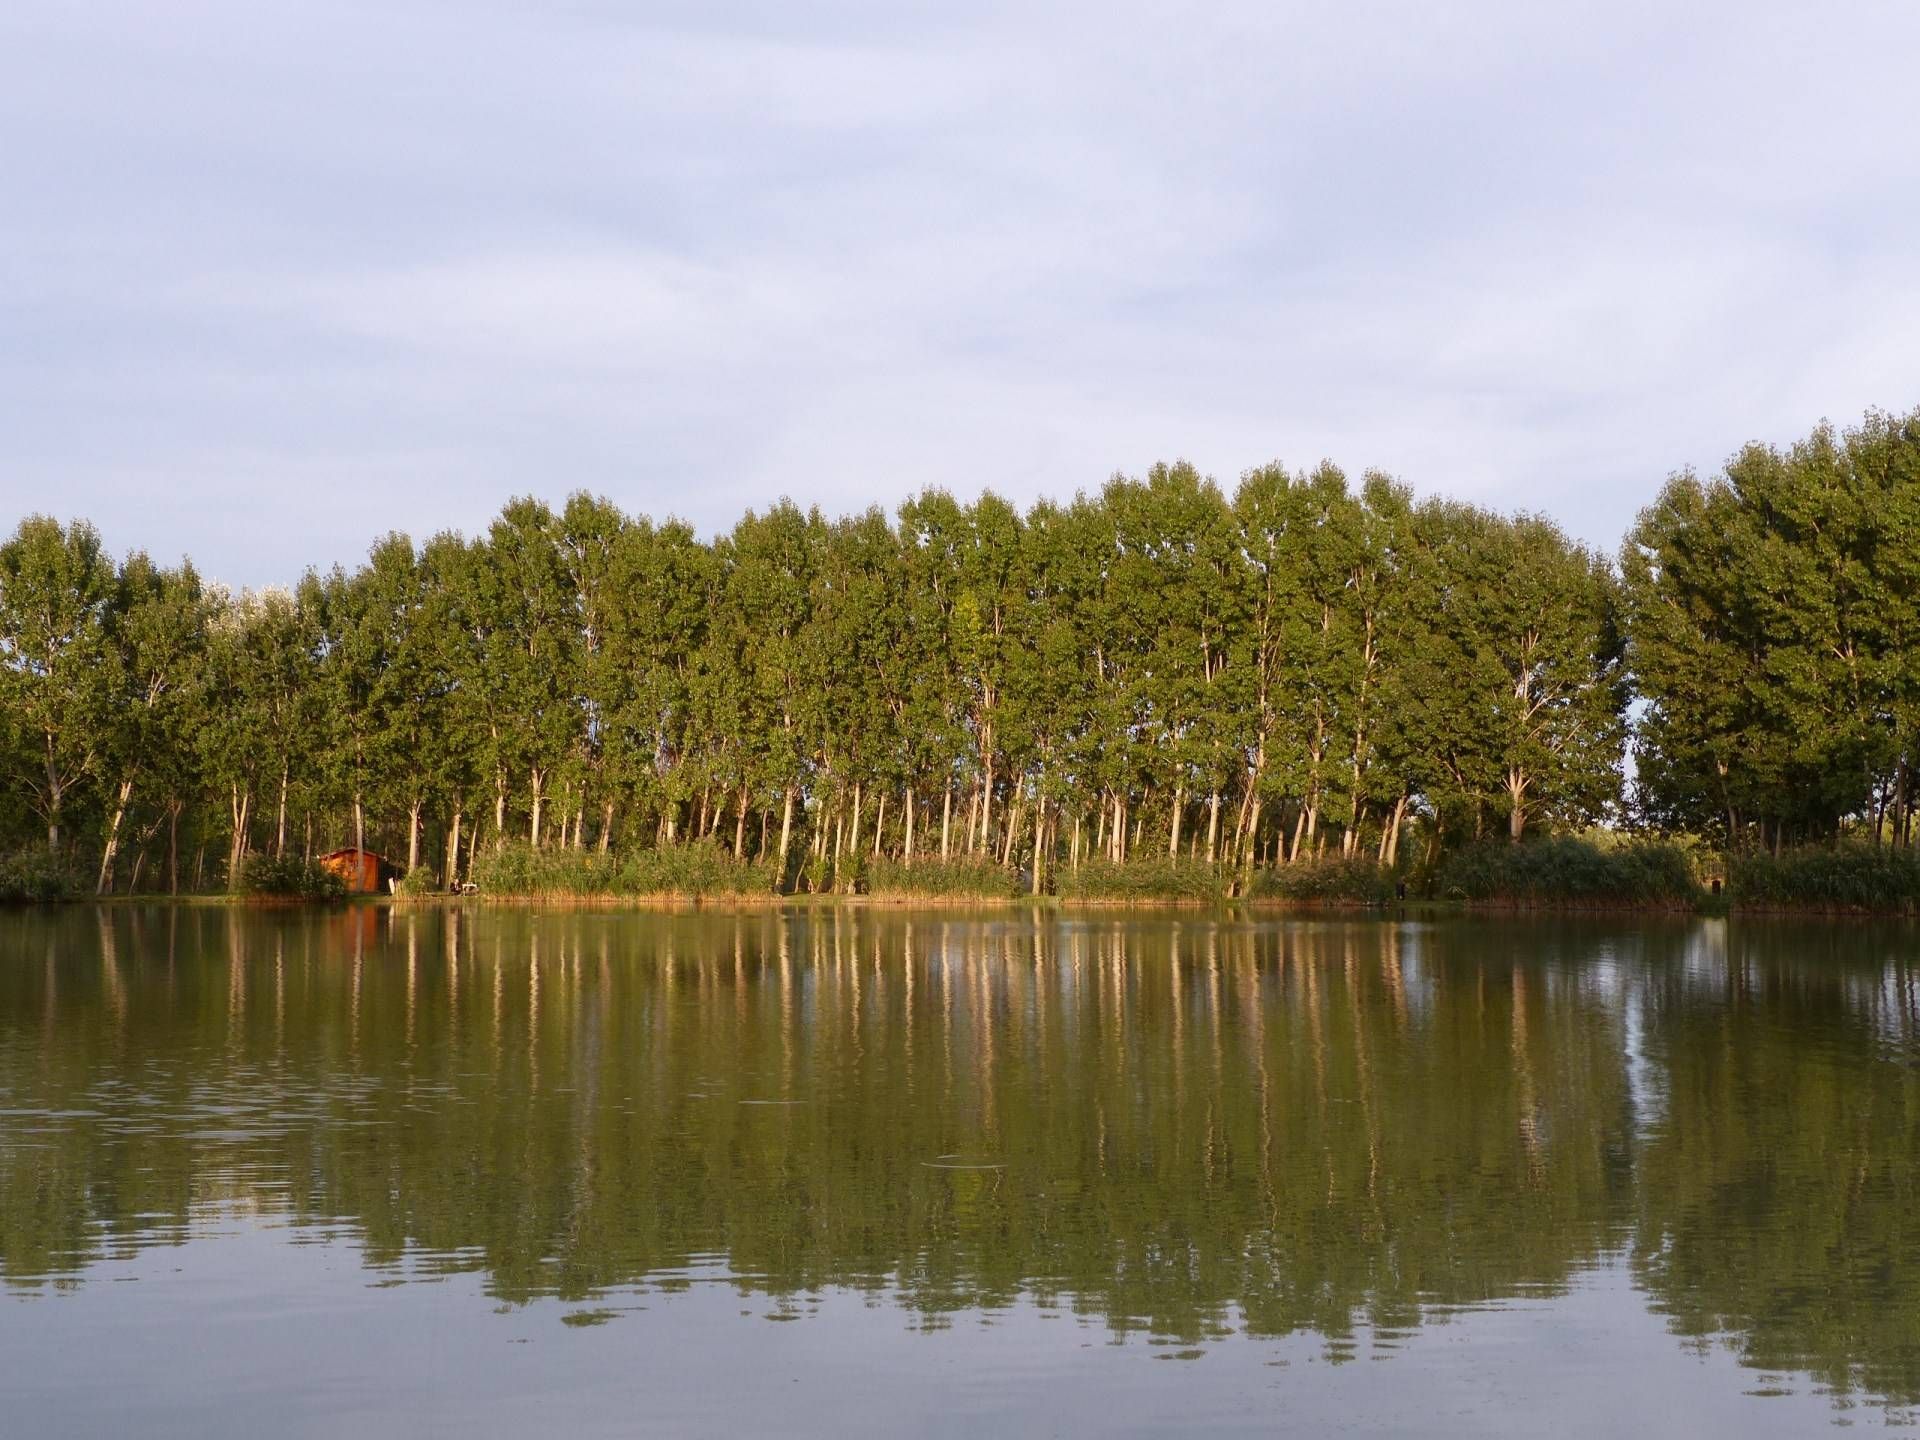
{"points": [[278, 277]]}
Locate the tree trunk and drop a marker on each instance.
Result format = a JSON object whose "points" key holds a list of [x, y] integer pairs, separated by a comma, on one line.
{"points": [[606, 826], [413, 836], [1039, 842], [1213, 824], [1173, 828], [908, 851], [879, 823], [946, 817], [453, 852], [1898, 810], [786, 833], [173, 847], [280, 818], [1517, 816], [1250, 840], [56, 798], [536, 779], [986, 807], [104, 886], [242, 806]]}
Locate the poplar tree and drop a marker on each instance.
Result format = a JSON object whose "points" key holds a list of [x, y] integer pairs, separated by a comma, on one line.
{"points": [[56, 588]]}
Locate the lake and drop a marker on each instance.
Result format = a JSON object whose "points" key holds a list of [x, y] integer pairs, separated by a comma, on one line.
{"points": [[474, 1172]]}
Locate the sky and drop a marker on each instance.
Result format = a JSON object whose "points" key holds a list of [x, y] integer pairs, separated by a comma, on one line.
{"points": [[277, 278]]}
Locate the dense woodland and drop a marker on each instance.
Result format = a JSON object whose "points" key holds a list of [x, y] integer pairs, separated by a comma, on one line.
{"points": [[1299, 669]]}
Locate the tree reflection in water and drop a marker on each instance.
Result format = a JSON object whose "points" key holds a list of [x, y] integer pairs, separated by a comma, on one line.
{"points": [[1181, 1126]]}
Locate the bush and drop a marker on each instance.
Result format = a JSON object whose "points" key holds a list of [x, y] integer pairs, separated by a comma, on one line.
{"points": [[688, 871], [1848, 877], [697, 869], [419, 881], [1334, 880], [36, 876], [1159, 877], [289, 877], [958, 877], [1566, 870]]}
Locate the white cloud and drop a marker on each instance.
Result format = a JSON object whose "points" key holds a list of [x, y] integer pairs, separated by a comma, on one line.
{"points": [[274, 280]]}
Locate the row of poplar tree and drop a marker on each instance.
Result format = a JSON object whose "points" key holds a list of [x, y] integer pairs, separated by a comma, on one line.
{"points": [[1296, 669]]}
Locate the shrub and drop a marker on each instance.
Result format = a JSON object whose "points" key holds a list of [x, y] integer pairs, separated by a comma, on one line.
{"points": [[36, 875], [816, 874], [1569, 870], [1334, 880], [1159, 877], [697, 869], [1847, 877], [291, 877], [419, 881], [958, 877], [519, 869]]}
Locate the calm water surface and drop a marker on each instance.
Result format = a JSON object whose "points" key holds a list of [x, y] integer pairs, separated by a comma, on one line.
{"points": [[472, 1172]]}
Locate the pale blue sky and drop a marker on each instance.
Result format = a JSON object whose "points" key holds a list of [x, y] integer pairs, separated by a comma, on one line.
{"points": [[275, 278]]}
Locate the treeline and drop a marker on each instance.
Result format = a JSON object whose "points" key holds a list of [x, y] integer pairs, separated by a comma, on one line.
{"points": [[1301, 669]]}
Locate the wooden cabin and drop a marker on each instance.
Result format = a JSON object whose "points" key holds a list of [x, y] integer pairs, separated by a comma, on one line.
{"points": [[362, 871]]}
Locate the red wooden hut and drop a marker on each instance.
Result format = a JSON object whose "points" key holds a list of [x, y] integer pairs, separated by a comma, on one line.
{"points": [[362, 871]]}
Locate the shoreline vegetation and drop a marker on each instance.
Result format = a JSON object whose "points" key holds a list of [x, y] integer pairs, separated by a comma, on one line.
{"points": [[1559, 874], [1297, 692]]}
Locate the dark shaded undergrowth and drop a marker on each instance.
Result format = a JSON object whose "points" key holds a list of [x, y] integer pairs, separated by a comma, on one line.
{"points": [[692, 871], [1570, 871], [1855, 878], [36, 875], [287, 877]]}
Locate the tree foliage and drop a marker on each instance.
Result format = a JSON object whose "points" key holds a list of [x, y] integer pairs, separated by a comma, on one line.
{"points": [[1299, 669]]}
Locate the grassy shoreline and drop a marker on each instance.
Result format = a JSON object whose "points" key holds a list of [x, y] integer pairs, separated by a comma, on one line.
{"points": [[1600, 874], [1410, 908]]}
